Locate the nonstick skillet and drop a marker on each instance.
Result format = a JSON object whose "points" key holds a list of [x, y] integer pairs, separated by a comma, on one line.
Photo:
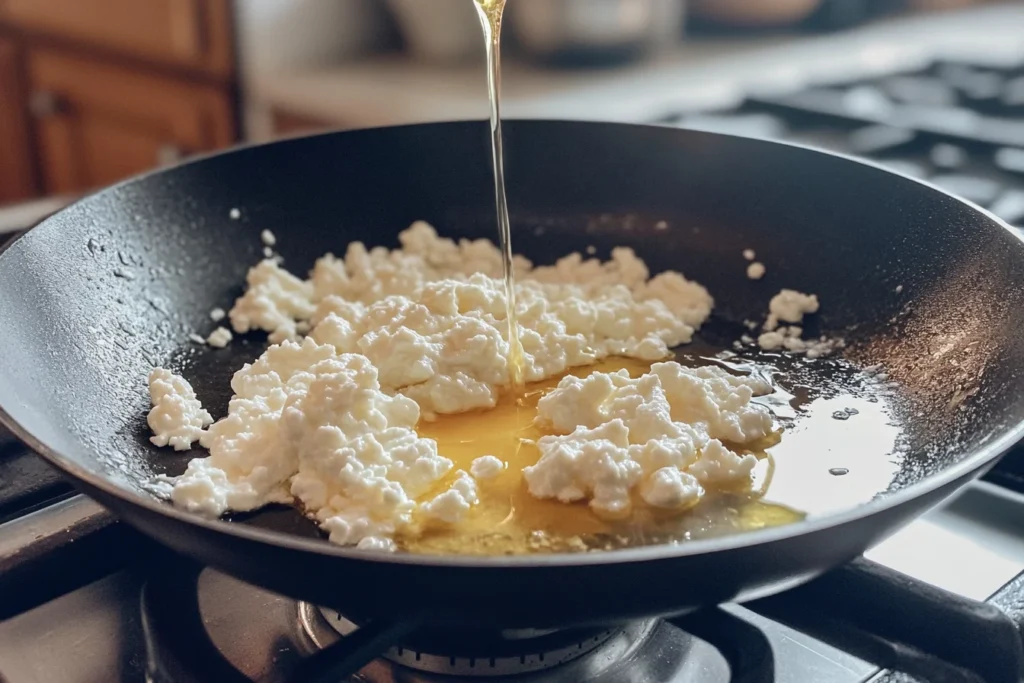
{"points": [[926, 285]]}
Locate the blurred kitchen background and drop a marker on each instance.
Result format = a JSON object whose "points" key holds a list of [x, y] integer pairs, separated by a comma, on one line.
{"points": [[92, 91]]}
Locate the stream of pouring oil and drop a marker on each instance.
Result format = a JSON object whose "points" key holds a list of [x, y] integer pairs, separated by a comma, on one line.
{"points": [[491, 13]]}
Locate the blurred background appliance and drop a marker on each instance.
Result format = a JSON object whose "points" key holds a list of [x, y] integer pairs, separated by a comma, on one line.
{"points": [[595, 29]]}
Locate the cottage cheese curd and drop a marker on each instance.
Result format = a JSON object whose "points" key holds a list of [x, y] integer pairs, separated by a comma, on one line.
{"points": [[177, 418], [275, 300], [790, 306], [431, 315], [219, 338], [312, 427], [374, 343], [486, 467], [450, 506], [660, 433]]}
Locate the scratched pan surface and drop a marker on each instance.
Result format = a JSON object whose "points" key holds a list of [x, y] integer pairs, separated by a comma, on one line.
{"points": [[100, 292]]}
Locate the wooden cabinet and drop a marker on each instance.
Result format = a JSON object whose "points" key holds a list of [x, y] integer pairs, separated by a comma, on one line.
{"points": [[17, 176], [97, 123], [189, 33], [92, 91]]}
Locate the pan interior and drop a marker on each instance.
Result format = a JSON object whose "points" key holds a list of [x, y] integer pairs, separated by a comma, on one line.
{"points": [[914, 280], [841, 445]]}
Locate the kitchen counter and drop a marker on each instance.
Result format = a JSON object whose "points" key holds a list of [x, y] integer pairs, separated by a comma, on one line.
{"points": [[15, 217], [700, 73]]}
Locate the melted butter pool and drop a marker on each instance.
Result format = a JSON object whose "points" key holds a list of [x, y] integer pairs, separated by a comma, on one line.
{"points": [[825, 463], [835, 451]]}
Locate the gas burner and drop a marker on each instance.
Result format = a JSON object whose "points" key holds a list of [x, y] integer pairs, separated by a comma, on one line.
{"points": [[202, 625], [477, 653]]}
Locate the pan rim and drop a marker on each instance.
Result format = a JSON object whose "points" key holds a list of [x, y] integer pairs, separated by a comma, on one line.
{"points": [[969, 464]]}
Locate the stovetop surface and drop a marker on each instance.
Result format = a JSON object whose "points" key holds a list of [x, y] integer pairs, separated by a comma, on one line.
{"points": [[136, 622]]}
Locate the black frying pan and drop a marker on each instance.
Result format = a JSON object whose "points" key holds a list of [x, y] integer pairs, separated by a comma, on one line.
{"points": [[98, 293]]}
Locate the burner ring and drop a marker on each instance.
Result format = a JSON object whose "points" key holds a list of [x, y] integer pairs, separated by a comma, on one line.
{"points": [[529, 662], [498, 653]]}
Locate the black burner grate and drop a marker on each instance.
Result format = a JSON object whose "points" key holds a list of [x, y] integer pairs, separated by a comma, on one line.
{"points": [[913, 631], [958, 125]]}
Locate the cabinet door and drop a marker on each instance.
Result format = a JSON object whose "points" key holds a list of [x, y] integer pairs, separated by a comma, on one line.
{"points": [[17, 180], [97, 123], [193, 33]]}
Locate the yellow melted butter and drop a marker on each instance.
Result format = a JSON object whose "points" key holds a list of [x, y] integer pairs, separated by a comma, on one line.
{"points": [[508, 520]]}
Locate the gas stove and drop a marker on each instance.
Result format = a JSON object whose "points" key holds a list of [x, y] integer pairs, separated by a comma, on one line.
{"points": [[940, 600], [85, 599]]}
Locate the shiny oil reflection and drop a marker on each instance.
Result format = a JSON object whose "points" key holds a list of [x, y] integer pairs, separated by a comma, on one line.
{"points": [[837, 447]]}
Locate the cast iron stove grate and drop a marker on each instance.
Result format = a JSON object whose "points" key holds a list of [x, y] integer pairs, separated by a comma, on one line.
{"points": [[957, 125], [911, 630]]}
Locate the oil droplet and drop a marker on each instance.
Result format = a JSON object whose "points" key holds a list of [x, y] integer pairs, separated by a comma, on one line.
{"points": [[838, 471]]}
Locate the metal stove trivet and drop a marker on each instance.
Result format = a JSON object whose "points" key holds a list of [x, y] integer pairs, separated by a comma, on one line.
{"points": [[874, 613], [958, 125], [477, 653]]}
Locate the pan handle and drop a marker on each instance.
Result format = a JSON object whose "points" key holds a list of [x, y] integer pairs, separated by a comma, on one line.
{"points": [[904, 624], [37, 549]]}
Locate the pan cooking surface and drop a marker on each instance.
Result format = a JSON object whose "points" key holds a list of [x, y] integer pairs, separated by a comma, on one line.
{"points": [[839, 447], [915, 281]]}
